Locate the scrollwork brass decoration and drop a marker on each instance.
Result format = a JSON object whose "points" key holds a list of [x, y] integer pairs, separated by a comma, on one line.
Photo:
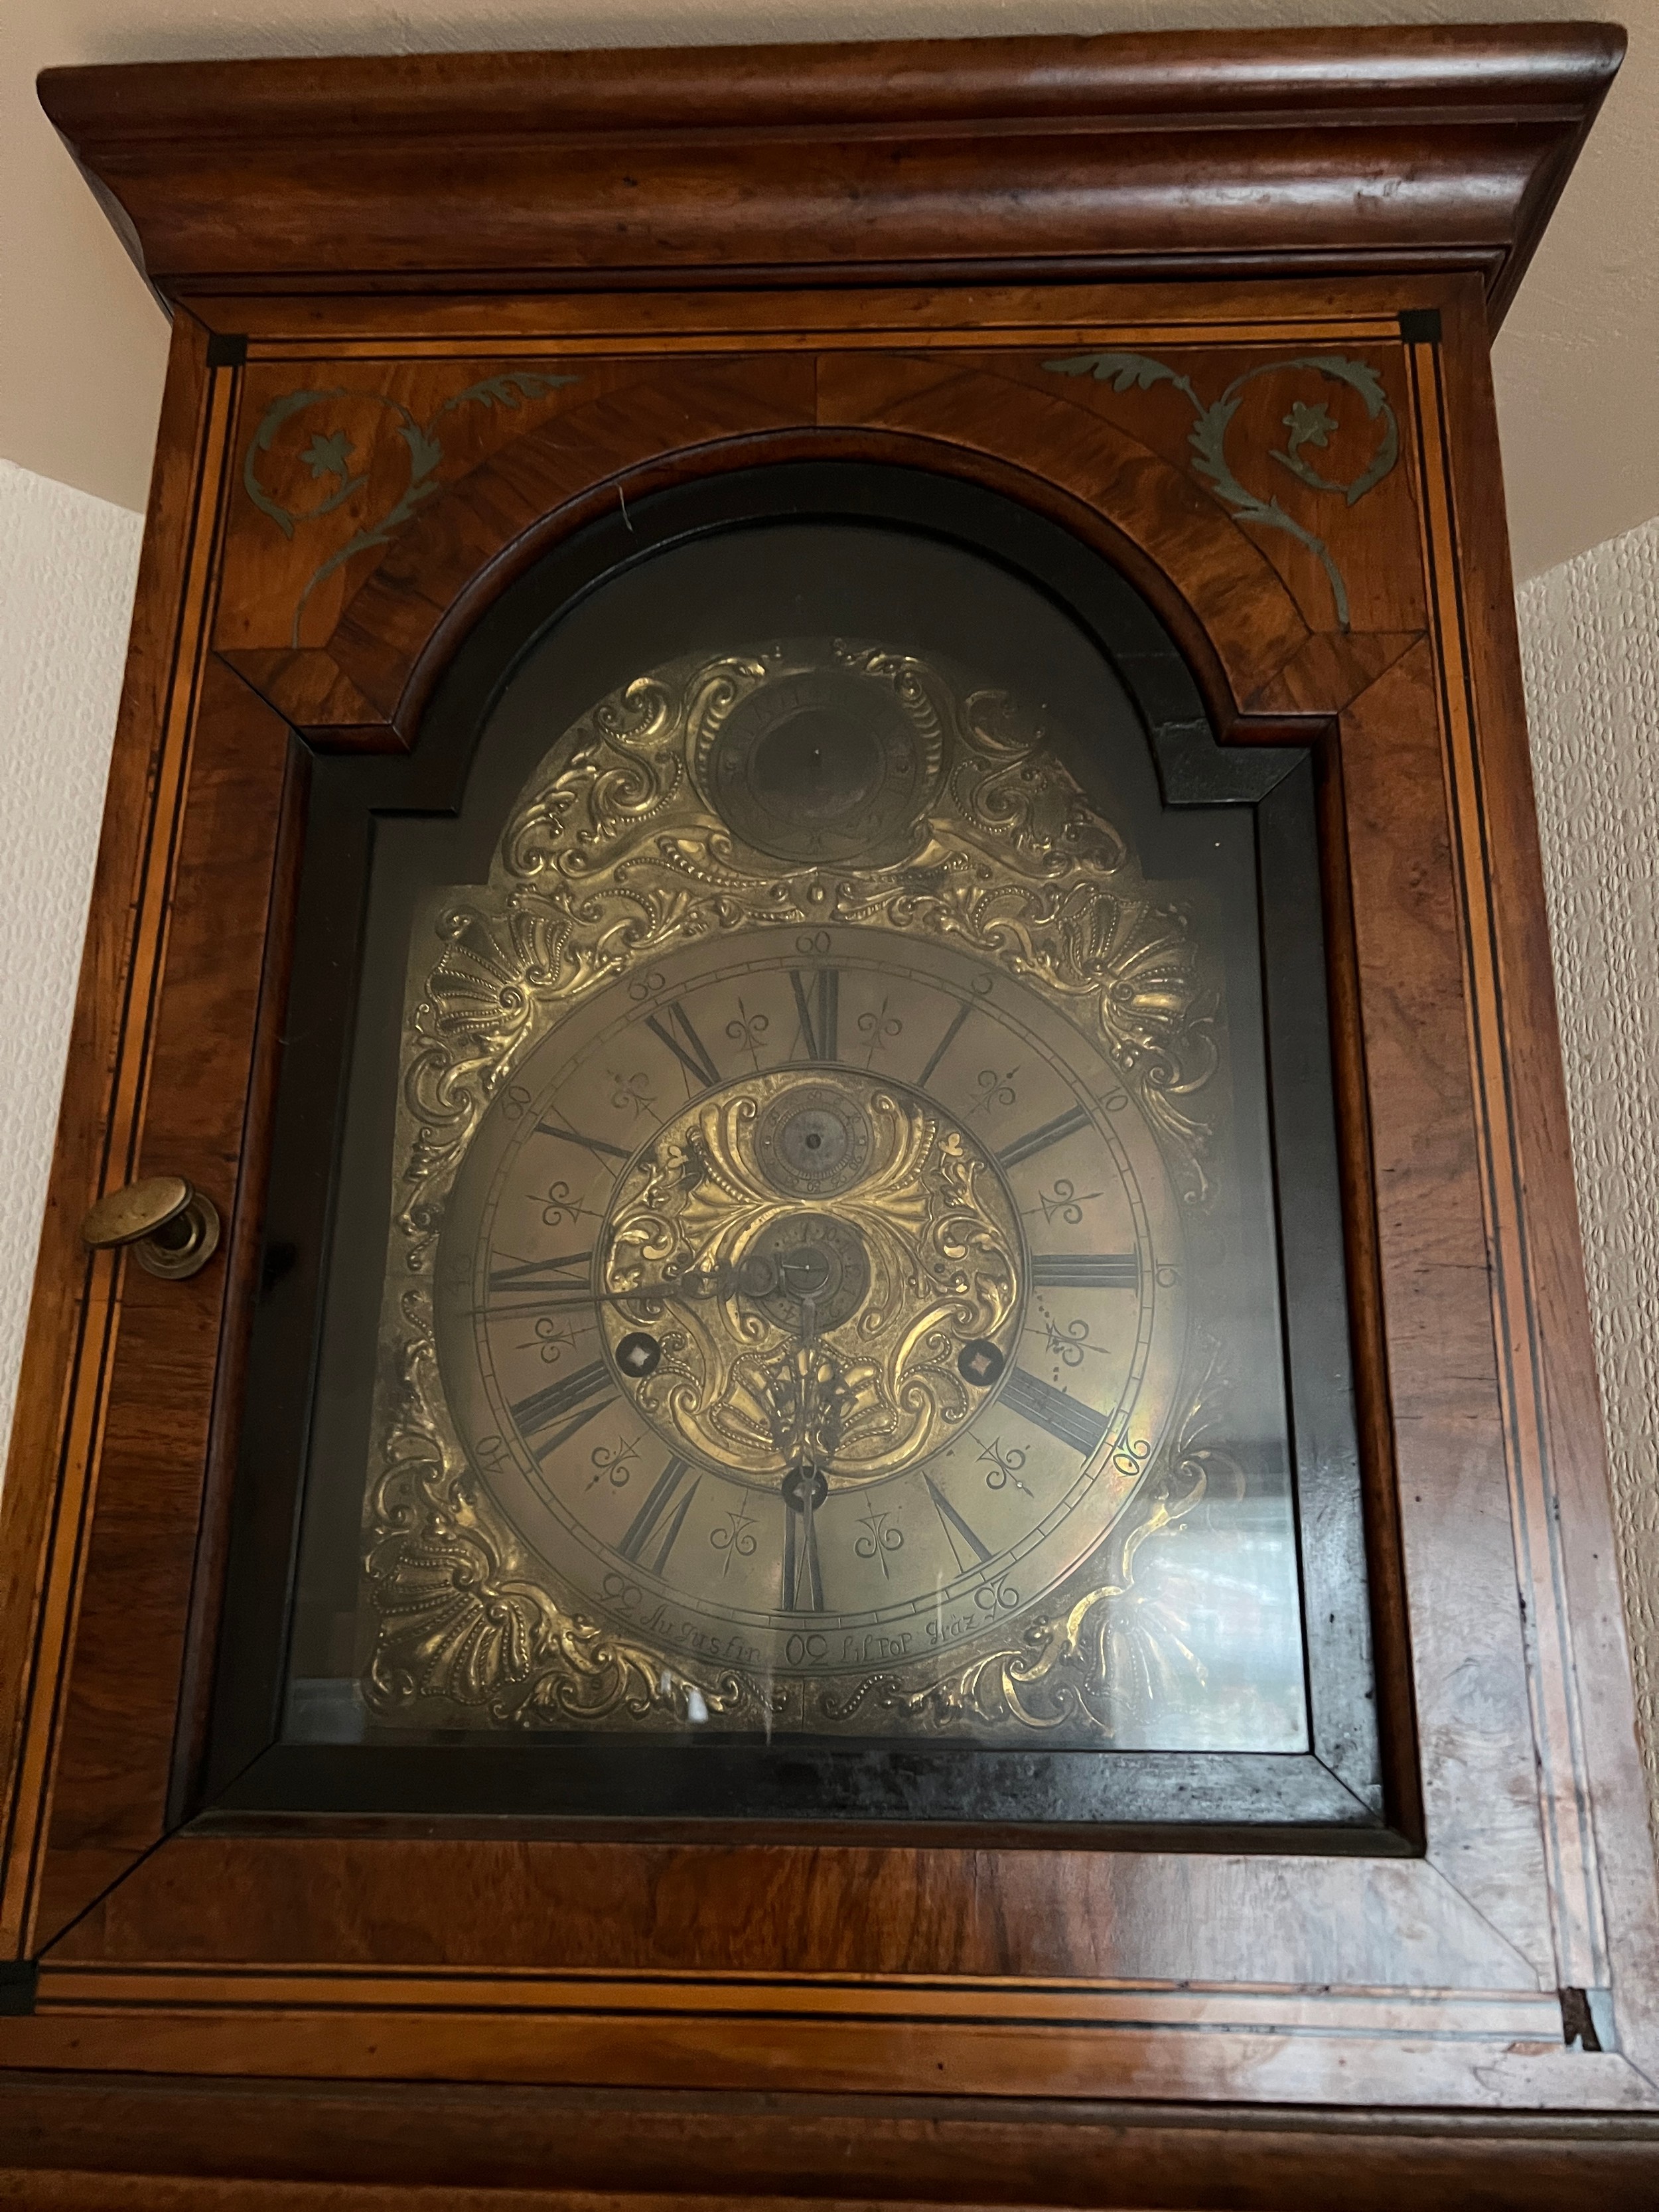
{"points": [[619, 857], [1118, 1649], [464, 1614]]}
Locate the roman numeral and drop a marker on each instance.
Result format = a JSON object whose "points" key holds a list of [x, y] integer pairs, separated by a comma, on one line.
{"points": [[564, 1281], [944, 1046], [956, 1531], [818, 1010], [1067, 1420], [1086, 1271], [601, 1148], [584, 1393], [1038, 1140], [688, 1048], [652, 1531]]}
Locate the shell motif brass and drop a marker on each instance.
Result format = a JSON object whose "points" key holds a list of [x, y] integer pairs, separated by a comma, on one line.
{"points": [[172, 1229]]}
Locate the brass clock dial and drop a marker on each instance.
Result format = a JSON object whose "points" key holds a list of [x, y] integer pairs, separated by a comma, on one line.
{"points": [[805, 1362], [810, 1301]]}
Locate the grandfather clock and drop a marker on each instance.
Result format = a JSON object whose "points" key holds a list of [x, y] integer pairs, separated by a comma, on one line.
{"points": [[809, 1410]]}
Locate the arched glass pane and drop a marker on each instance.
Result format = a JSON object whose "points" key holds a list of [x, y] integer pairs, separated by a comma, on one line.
{"points": [[833, 1178]]}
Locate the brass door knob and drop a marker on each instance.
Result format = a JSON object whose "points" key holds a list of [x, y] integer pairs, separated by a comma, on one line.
{"points": [[172, 1229]]}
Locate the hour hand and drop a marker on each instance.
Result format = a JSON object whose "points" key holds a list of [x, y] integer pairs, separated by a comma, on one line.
{"points": [[804, 1489], [756, 1277]]}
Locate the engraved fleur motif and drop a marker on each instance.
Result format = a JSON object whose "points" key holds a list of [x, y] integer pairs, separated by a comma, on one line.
{"points": [[1120, 1646]]}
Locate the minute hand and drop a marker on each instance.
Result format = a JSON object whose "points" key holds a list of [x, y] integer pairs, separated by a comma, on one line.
{"points": [[725, 1282], [806, 1483]]}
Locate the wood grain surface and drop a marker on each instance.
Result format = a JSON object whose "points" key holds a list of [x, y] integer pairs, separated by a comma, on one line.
{"points": [[56, 1431], [175, 2145], [341, 610], [1377, 147], [120, 1699], [1593, 1771]]}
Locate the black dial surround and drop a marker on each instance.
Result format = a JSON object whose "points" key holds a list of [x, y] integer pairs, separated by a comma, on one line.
{"points": [[455, 1681]]}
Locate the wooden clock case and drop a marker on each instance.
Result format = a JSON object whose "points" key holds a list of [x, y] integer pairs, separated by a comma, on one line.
{"points": [[533, 290]]}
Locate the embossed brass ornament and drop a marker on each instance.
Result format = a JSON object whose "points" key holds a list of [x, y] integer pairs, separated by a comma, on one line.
{"points": [[1116, 1644], [786, 1311], [910, 1250]]}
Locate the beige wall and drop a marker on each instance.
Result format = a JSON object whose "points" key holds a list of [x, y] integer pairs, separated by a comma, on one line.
{"points": [[81, 344], [68, 565], [1589, 636]]}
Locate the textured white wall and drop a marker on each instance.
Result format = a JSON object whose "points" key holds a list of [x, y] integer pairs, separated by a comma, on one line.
{"points": [[1590, 637], [67, 564], [1589, 632]]}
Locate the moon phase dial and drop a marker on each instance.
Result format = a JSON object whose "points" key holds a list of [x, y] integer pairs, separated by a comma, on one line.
{"points": [[812, 1258]]}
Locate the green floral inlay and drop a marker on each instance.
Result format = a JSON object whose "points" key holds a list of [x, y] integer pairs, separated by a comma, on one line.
{"points": [[330, 457], [1308, 425]]}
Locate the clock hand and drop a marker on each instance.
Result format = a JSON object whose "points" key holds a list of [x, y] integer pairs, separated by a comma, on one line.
{"points": [[806, 1485], [815, 1484], [811, 1490], [755, 1279], [580, 1301]]}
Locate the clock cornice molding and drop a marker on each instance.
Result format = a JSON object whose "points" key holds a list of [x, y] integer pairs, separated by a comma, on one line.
{"points": [[1378, 150]]}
